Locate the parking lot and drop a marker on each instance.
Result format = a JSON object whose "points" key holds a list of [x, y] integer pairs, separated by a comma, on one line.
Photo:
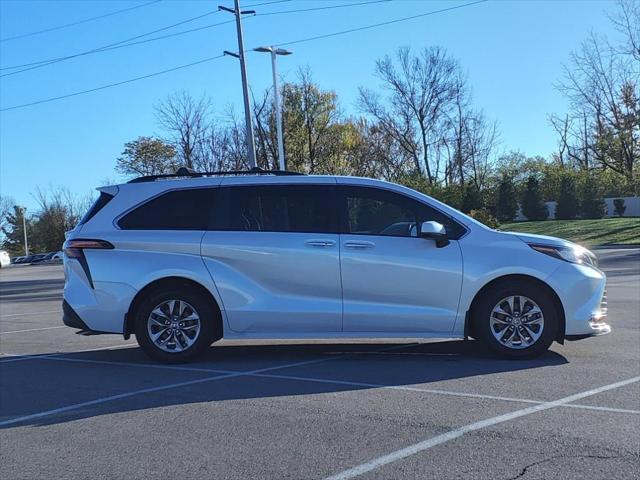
{"points": [[96, 407]]}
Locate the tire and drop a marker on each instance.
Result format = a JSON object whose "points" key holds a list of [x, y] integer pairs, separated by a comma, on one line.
{"points": [[180, 335], [513, 328]]}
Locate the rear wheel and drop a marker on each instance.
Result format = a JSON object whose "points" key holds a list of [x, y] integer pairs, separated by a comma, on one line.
{"points": [[175, 324], [517, 319]]}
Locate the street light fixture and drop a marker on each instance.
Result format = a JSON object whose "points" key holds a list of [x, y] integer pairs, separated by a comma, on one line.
{"points": [[274, 53]]}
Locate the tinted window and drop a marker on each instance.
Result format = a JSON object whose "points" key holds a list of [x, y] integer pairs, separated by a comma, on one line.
{"points": [[373, 211], [176, 210], [278, 208], [98, 205]]}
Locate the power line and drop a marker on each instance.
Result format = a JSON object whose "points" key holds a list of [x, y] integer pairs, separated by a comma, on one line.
{"points": [[329, 7], [82, 92], [375, 25], [309, 39], [129, 41], [111, 46], [59, 27]]}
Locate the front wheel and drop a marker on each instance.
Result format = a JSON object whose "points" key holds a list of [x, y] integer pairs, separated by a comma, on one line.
{"points": [[175, 325], [517, 319]]}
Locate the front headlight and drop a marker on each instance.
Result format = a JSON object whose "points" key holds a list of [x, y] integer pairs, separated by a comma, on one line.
{"points": [[575, 254]]}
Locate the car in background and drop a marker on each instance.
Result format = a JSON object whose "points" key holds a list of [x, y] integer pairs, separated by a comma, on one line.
{"points": [[38, 257], [25, 259], [43, 258], [5, 260], [18, 259]]}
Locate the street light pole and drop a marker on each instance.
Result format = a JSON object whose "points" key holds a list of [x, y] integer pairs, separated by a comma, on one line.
{"points": [[24, 229], [251, 148], [276, 94]]}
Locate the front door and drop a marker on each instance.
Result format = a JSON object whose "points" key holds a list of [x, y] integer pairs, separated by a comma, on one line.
{"points": [[393, 280]]}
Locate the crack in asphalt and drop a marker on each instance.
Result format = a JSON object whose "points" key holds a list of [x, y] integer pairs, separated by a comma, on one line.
{"points": [[525, 469]]}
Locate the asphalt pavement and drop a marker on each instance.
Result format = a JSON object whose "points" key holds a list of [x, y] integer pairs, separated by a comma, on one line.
{"points": [[74, 407]]}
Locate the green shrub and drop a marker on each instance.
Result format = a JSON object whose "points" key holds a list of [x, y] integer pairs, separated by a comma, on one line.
{"points": [[506, 202], [533, 206], [567, 207], [619, 206], [484, 216], [591, 203]]}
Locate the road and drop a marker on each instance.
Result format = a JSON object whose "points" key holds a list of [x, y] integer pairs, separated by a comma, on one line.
{"points": [[75, 407]]}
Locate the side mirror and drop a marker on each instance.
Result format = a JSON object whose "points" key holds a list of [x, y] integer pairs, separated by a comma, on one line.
{"points": [[434, 231]]}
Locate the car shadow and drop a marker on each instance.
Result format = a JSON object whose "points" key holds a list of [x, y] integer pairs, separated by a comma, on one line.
{"points": [[331, 368]]}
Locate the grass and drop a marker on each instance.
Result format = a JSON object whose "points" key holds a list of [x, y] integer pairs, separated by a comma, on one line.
{"points": [[584, 232]]}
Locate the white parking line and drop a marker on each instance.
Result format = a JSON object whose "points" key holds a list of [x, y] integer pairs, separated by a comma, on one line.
{"points": [[459, 432], [29, 314], [33, 329], [120, 396], [330, 381], [37, 356]]}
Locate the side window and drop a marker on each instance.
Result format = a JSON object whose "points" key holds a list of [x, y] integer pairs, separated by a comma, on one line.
{"points": [[370, 211], [187, 209], [279, 208], [373, 211]]}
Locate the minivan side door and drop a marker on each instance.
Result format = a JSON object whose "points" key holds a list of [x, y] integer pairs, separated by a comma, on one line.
{"points": [[392, 280], [273, 253]]}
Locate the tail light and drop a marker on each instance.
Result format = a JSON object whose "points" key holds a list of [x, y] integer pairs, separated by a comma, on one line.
{"points": [[75, 249]]}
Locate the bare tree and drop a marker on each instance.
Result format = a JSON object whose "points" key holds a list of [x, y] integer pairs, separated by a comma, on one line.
{"points": [[603, 89], [627, 21], [421, 90], [6, 208], [186, 120]]}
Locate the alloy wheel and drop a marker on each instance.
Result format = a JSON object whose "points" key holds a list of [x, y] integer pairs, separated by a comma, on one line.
{"points": [[516, 322], [173, 326]]}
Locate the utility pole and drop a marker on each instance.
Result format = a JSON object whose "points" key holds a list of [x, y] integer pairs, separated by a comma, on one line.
{"points": [[276, 93], [24, 229], [251, 148]]}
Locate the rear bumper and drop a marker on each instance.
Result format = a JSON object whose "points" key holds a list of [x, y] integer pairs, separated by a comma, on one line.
{"points": [[70, 318]]}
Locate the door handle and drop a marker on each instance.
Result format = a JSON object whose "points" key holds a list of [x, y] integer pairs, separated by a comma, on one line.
{"points": [[359, 245], [319, 243]]}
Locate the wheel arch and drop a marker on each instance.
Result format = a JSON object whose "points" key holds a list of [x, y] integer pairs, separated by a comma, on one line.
{"points": [[470, 329], [168, 282]]}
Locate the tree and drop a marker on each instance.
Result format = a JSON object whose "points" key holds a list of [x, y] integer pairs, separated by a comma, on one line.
{"points": [[533, 206], [421, 90], [13, 231], [591, 203], [471, 198], [602, 83], [506, 202], [619, 206], [6, 207], [309, 115], [59, 211], [147, 156], [567, 206], [186, 120]]}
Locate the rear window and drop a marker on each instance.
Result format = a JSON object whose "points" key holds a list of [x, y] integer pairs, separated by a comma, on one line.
{"points": [[187, 209], [98, 205]]}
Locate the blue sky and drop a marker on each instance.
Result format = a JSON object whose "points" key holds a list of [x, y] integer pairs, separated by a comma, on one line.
{"points": [[512, 51]]}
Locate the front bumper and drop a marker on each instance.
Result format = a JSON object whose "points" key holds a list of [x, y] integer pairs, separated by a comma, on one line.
{"points": [[582, 292]]}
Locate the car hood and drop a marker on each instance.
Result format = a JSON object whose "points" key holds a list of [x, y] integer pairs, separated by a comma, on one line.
{"points": [[541, 239]]}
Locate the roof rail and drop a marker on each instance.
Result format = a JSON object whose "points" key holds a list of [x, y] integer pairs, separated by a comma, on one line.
{"points": [[189, 173]]}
